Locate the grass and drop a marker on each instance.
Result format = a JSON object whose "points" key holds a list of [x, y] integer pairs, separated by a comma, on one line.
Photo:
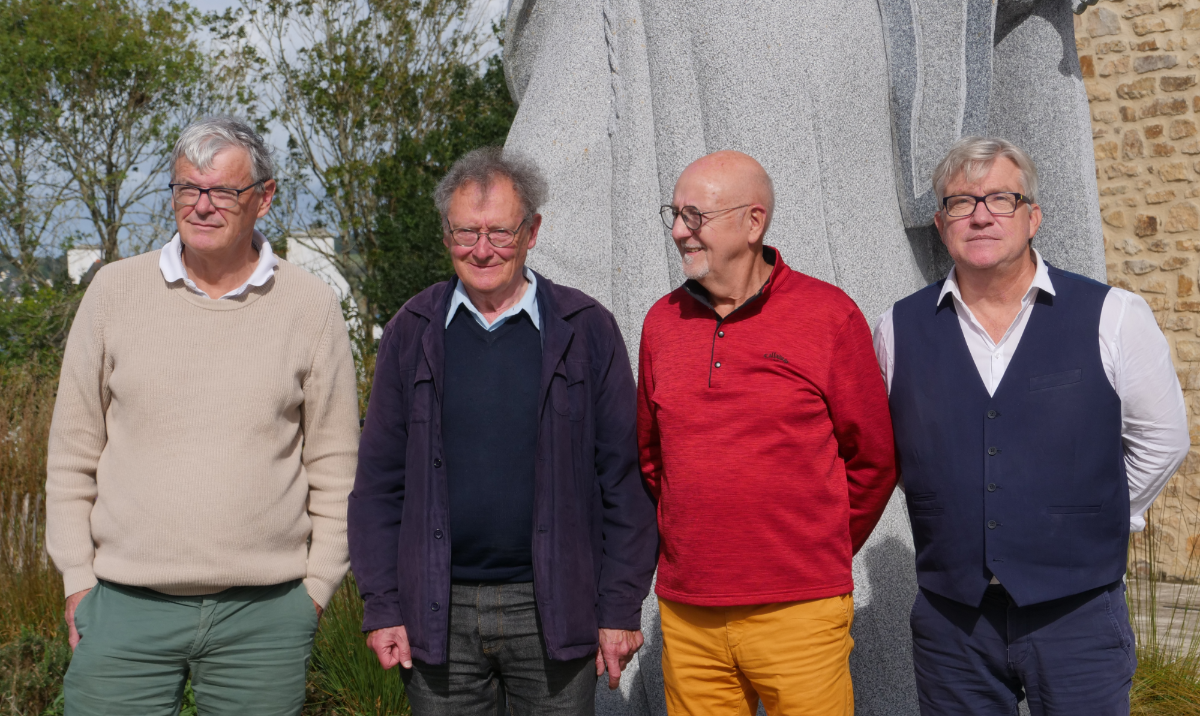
{"points": [[1167, 682]]}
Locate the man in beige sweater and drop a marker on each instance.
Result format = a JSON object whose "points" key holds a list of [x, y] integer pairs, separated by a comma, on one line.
{"points": [[201, 453]]}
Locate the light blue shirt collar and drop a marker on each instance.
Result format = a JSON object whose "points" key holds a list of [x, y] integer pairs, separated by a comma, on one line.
{"points": [[528, 304]]}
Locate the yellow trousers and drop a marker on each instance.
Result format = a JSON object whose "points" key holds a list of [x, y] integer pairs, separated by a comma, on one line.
{"points": [[795, 656]]}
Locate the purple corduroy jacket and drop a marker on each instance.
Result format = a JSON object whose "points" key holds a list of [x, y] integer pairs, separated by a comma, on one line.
{"points": [[595, 537]]}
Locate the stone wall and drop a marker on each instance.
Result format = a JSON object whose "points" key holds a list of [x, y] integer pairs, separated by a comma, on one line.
{"points": [[1140, 60]]}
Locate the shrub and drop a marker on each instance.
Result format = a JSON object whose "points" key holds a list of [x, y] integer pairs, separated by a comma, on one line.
{"points": [[31, 671]]}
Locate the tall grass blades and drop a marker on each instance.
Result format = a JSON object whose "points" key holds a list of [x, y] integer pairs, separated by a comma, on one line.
{"points": [[30, 587], [1166, 623], [345, 673]]}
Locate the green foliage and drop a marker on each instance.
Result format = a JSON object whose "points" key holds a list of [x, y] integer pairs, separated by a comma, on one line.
{"points": [[34, 326], [106, 84], [345, 674], [410, 255], [31, 672]]}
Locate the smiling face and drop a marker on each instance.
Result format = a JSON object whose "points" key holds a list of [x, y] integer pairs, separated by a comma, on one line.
{"points": [[488, 272], [981, 240], [204, 228], [714, 183]]}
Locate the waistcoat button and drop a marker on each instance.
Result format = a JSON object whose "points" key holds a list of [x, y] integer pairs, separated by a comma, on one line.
{"points": [[993, 451], [992, 524], [991, 487], [992, 413]]}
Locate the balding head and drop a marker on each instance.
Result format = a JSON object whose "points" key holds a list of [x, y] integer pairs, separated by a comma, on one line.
{"points": [[732, 178]]}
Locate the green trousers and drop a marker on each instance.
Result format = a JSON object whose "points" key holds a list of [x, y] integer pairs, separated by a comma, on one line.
{"points": [[246, 649]]}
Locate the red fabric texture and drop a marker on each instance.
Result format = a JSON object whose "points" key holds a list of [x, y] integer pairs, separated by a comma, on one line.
{"points": [[770, 470]]}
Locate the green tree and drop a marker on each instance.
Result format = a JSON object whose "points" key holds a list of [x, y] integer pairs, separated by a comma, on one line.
{"points": [[350, 82], [112, 83], [410, 255]]}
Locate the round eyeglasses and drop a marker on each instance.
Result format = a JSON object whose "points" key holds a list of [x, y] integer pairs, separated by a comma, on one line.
{"points": [[692, 217], [1001, 203], [219, 196], [500, 238]]}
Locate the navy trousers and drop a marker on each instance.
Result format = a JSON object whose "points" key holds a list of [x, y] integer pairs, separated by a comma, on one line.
{"points": [[1069, 656]]}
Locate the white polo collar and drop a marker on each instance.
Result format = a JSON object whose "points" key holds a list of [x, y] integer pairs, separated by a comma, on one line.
{"points": [[170, 262]]}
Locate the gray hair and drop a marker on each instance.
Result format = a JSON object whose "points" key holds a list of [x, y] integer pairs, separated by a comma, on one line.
{"points": [[973, 157], [205, 138], [482, 167]]}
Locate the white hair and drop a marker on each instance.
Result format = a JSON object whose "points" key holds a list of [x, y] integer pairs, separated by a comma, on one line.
{"points": [[204, 139], [973, 157]]}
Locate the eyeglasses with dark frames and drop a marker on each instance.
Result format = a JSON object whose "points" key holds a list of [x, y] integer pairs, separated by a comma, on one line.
{"points": [[219, 196], [500, 238], [1001, 203], [692, 217]]}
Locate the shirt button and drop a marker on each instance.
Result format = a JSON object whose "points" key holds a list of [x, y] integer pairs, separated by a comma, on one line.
{"points": [[992, 524], [993, 450], [992, 413], [435, 606], [437, 534], [991, 487], [437, 462], [720, 334], [718, 364]]}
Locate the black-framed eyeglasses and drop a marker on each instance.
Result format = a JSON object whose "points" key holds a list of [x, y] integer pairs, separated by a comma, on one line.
{"points": [[692, 217], [500, 238], [1001, 203], [219, 196]]}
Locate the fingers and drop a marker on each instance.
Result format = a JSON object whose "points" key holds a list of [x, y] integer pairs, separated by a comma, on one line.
{"points": [[613, 662], [600, 661], [403, 653]]}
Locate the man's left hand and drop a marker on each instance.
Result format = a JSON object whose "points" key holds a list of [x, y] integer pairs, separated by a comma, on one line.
{"points": [[617, 648]]}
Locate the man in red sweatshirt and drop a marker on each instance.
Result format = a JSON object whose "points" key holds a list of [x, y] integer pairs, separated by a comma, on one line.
{"points": [[765, 438]]}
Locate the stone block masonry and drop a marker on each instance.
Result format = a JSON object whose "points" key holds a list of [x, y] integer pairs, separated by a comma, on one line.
{"points": [[1140, 62]]}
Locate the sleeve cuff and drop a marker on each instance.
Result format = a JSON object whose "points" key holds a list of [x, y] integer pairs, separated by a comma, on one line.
{"points": [[78, 579], [320, 591], [381, 613], [626, 617]]}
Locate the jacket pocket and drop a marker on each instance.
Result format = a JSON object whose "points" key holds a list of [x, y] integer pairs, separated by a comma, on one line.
{"points": [[1073, 509], [1054, 380], [422, 399]]}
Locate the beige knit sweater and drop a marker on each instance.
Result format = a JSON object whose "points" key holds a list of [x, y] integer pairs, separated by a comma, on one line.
{"points": [[198, 444]]}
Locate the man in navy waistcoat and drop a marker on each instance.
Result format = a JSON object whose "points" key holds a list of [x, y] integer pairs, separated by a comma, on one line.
{"points": [[1037, 415]]}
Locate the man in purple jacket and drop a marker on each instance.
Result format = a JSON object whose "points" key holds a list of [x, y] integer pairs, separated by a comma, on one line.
{"points": [[499, 530]]}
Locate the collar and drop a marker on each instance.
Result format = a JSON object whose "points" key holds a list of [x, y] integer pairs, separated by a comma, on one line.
{"points": [[771, 255], [1041, 282], [528, 304], [170, 262]]}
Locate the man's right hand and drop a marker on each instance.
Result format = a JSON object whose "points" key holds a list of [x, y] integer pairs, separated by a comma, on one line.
{"points": [[390, 646], [72, 602]]}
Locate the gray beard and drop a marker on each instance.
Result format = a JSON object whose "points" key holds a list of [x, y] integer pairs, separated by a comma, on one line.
{"points": [[691, 271]]}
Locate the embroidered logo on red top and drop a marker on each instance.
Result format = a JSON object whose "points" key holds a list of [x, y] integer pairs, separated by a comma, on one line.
{"points": [[775, 356]]}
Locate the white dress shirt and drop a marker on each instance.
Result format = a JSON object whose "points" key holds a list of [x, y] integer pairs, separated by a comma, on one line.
{"points": [[170, 262], [1137, 362], [528, 304]]}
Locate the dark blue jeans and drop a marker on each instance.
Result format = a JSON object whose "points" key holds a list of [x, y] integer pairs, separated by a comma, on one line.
{"points": [[497, 662], [1069, 656]]}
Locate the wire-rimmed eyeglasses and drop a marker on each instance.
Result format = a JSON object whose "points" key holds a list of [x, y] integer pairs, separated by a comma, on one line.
{"points": [[692, 217], [500, 238], [1001, 203], [219, 196]]}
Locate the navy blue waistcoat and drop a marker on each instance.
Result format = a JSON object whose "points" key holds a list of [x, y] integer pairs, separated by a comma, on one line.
{"points": [[1028, 484]]}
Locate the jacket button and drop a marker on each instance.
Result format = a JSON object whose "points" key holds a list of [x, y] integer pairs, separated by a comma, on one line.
{"points": [[991, 487], [435, 606], [992, 524], [720, 334], [993, 451], [718, 364], [437, 534], [992, 413], [437, 461]]}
